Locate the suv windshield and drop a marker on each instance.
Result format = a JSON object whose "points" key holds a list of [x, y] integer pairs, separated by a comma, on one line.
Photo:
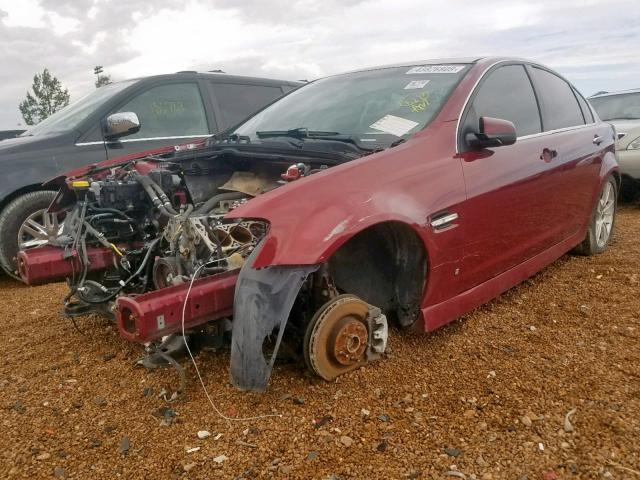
{"points": [[70, 116], [374, 108], [624, 106]]}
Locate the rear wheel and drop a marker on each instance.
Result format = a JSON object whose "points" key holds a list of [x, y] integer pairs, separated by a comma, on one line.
{"points": [[602, 220], [24, 224]]}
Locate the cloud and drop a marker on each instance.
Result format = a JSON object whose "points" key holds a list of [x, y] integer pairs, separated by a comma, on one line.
{"points": [[589, 41]]}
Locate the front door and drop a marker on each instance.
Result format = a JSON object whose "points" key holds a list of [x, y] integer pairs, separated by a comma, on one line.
{"points": [[509, 207], [169, 114]]}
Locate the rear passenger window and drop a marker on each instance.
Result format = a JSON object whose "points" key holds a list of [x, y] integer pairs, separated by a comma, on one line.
{"points": [[560, 108], [506, 94], [586, 111], [237, 102]]}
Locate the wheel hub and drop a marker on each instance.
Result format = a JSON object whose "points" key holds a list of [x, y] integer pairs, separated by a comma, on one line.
{"points": [[38, 228], [349, 340], [338, 336]]}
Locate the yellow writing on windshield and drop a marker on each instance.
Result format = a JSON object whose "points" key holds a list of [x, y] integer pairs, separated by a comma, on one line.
{"points": [[417, 103]]}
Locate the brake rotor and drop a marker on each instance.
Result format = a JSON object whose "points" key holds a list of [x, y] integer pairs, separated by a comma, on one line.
{"points": [[337, 337]]}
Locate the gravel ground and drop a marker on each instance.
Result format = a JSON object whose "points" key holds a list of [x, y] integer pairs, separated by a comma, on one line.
{"points": [[542, 383]]}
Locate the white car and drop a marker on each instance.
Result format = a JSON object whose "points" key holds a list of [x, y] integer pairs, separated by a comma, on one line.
{"points": [[622, 110]]}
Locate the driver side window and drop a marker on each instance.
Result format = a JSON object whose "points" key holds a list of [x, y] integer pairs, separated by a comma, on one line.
{"points": [[506, 93], [170, 110]]}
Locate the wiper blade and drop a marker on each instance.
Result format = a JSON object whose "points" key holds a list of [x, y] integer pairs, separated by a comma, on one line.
{"points": [[306, 134], [301, 132]]}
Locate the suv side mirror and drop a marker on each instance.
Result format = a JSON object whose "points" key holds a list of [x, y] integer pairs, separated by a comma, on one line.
{"points": [[121, 124], [492, 132]]}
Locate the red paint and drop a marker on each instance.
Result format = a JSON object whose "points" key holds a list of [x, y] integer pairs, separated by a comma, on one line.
{"points": [[211, 298], [517, 213], [47, 264]]}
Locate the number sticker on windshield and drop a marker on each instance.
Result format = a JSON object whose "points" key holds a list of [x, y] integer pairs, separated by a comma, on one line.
{"points": [[416, 84], [436, 69], [397, 126]]}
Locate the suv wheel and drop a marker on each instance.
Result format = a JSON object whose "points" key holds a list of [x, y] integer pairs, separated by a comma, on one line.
{"points": [[25, 223]]}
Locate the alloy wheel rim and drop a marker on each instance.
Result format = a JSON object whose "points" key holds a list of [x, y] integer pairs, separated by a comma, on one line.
{"points": [[38, 228], [605, 210]]}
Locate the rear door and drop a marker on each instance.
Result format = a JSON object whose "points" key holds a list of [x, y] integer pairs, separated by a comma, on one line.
{"points": [[233, 102], [509, 188], [576, 146], [170, 114]]}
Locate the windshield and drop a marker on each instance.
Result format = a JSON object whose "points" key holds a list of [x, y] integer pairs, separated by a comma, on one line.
{"points": [[70, 116], [375, 108], [618, 107]]}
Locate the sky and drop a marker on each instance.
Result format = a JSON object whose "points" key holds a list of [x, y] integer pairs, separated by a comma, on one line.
{"points": [[592, 43]]}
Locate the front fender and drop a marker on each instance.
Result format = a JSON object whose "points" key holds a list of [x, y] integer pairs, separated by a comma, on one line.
{"points": [[261, 307], [312, 217]]}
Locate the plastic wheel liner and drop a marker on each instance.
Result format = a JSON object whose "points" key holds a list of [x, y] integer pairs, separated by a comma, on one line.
{"points": [[262, 303]]}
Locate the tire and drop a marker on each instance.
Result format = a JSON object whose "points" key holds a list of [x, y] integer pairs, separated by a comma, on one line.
{"points": [[601, 221], [12, 218]]}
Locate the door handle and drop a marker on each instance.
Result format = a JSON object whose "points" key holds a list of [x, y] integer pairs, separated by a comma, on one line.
{"points": [[597, 140], [548, 154]]}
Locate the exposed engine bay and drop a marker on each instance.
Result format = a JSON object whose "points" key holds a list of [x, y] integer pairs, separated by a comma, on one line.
{"points": [[163, 223], [147, 243]]}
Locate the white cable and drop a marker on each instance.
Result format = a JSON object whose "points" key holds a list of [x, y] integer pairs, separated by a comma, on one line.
{"points": [[193, 360]]}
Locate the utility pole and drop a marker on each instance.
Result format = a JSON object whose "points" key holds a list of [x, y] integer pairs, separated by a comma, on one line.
{"points": [[97, 71]]}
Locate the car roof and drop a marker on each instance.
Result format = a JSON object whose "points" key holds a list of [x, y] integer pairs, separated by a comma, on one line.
{"points": [[621, 92], [223, 77], [441, 61]]}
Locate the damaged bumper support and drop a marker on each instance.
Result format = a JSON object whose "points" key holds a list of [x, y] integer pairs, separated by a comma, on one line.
{"points": [[47, 264], [262, 303], [148, 317]]}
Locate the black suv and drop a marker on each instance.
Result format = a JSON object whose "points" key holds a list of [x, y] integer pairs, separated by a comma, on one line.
{"points": [[160, 111]]}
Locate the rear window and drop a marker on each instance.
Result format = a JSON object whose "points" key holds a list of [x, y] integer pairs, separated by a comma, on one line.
{"points": [[625, 106], [560, 107], [236, 102], [586, 111]]}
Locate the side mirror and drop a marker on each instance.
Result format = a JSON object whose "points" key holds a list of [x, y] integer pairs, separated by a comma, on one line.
{"points": [[121, 124], [492, 132]]}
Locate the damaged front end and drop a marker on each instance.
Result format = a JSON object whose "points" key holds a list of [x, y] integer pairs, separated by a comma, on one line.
{"points": [[150, 243]]}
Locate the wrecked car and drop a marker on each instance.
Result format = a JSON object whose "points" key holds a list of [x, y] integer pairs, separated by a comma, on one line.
{"points": [[404, 195]]}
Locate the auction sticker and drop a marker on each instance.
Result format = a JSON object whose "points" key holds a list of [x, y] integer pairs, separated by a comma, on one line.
{"points": [[397, 126], [416, 84], [436, 69]]}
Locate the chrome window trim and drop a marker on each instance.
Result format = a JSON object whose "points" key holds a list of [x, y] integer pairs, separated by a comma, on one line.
{"points": [[131, 140], [557, 130], [524, 137]]}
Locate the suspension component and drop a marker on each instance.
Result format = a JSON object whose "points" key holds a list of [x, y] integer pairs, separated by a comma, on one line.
{"points": [[344, 334]]}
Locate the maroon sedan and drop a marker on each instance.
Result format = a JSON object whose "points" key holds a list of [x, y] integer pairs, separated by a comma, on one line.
{"points": [[410, 193]]}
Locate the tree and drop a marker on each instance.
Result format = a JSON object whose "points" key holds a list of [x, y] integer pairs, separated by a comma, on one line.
{"points": [[48, 97], [101, 79]]}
